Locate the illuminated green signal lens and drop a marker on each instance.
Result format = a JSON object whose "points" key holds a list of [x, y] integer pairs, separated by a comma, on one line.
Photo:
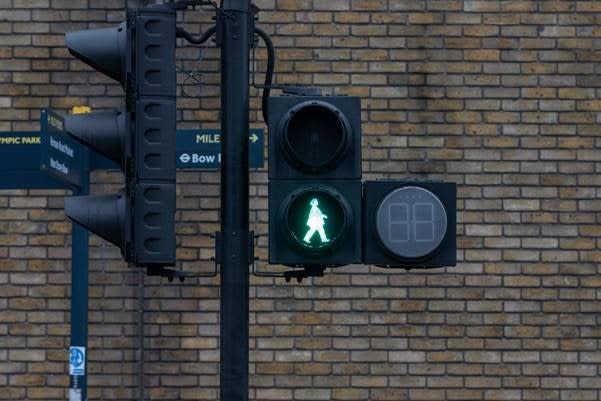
{"points": [[316, 219]]}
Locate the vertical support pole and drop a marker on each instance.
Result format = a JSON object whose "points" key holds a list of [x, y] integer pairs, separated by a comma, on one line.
{"points": [[141, 297], [235, 24], [78, 355]]}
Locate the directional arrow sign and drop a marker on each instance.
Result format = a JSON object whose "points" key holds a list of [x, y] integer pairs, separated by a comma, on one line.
{"points": [[62, 158], [202, 149]]}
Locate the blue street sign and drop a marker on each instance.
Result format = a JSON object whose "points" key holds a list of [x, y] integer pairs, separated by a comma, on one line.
{"points": [[20, 162], [61, 157], [201, 149]]}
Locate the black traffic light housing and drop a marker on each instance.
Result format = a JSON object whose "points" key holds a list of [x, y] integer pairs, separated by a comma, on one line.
{"points": [[315, 180], [140, 55], [409, 224]]}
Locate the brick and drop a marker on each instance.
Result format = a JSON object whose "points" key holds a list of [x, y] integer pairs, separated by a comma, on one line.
{"points": [[407, 356], [334, 5], [312, 394], [26, 355]]}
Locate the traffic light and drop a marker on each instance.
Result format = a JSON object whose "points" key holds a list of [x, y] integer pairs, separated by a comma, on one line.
{"points": [[409, 224], [140, 55], [315, 181]]}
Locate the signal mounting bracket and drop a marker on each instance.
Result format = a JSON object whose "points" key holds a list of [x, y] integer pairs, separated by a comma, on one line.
{"points": [[184, 4], [168, 273], [299, 275], [304, 273], [301, 91]]}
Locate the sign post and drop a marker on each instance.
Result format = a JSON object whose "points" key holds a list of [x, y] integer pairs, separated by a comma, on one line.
{"points": [[66, 160], [78, 386]]}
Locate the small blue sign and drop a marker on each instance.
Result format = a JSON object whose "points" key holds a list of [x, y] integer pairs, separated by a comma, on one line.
{"points": [[201, 149], [77, 361], [61, 157]]}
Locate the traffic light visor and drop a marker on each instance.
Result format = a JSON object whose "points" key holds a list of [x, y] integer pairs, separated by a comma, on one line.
{"points": [[105, 50], [105, 132], [104, 215]]}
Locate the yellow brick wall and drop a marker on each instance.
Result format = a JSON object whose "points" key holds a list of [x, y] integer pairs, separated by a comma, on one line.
{"points": [[501, 97]]}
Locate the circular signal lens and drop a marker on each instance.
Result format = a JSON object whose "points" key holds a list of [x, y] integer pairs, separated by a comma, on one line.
{"points": [[316, 219], [315, 136], [411, 222]]}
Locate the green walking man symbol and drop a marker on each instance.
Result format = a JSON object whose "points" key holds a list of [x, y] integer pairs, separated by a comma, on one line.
{"points": [[316, 222]]}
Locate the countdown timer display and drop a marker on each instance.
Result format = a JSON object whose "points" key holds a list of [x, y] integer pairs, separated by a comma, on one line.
{"points": [[411, 222]]}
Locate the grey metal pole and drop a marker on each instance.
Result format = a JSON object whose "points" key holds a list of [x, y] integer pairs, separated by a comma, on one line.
{"points": [[234, 33]]}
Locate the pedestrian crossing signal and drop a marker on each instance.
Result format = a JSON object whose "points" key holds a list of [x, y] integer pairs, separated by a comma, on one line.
{"points": [[314, 180], [316, 219], [315, 223]]}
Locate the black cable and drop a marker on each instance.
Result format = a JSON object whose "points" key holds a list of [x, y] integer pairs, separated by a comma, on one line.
{"points": [[219, 8], [189, 75], [270, 71], [203, 39], [196, 40], [182, 33], [184, 4]]}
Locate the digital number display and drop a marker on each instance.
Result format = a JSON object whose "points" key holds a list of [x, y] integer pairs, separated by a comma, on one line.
{"points": [[411, 222]]}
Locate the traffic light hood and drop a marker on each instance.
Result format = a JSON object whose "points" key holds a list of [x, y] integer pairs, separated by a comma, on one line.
{"points": [[104, 50], [105, 132], [104, 215]]}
